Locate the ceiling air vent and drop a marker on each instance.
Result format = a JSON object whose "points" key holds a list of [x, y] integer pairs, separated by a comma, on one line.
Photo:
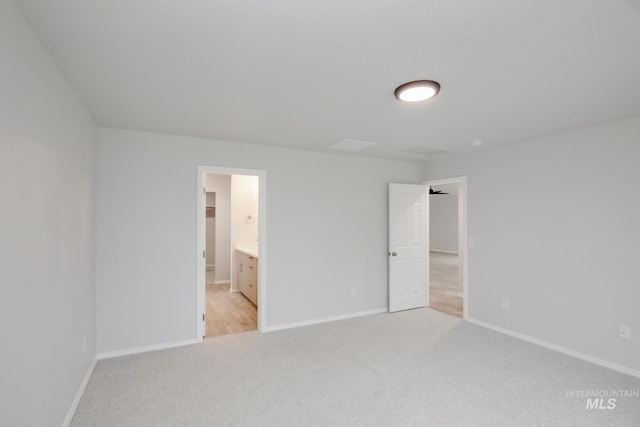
{"points": [[352, 145], [425, 152]]}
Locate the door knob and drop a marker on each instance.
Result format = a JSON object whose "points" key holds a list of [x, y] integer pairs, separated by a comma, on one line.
{"points": [[393, 254]]}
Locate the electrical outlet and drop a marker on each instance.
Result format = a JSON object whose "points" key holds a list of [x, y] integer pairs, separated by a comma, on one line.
{"points": [[353, 292], [505, 303], [624, 332]]}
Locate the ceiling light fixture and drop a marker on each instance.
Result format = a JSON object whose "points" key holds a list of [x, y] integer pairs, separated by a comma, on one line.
{"points": [[419, 90]]}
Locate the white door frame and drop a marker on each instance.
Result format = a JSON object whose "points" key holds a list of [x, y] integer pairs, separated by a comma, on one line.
{"points": [[200, 308], [463, 248]]}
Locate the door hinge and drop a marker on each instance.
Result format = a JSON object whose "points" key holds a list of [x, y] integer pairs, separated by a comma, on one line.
{"points": [[204, 191], [204, 254], [203, 317]]}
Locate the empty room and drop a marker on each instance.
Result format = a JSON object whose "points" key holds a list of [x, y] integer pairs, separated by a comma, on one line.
{"points": [[292, 213]]}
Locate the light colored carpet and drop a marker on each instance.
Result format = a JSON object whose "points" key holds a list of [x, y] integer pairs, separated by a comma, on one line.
{"points": [[413, 368]]}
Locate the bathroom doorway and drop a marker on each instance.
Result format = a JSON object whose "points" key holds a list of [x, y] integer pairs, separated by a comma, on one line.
{"points": [[231, 279]]}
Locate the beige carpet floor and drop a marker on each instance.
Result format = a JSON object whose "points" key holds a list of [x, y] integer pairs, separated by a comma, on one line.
{"points": [[413, 368]]}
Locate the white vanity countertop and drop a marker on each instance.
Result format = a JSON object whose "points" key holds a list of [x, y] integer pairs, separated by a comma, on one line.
{"points": [[251, 250]]}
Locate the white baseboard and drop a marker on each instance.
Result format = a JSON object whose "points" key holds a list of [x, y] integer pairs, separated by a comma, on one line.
{"points": [[220, 282], [324, 320], [443, 252], [558, 348], [83, 386], [147, 348]]}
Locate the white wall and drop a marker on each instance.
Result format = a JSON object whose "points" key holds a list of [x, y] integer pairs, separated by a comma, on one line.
{"points": [[443, 222], [555, 222], [244, 204], [221, 185], [47, 289], [327, 232]]}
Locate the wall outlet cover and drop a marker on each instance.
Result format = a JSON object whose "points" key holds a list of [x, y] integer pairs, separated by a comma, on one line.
{"points": [[624, 332]]}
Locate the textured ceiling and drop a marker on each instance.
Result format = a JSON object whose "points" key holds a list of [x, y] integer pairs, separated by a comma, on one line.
{"points": [[307, 74]]}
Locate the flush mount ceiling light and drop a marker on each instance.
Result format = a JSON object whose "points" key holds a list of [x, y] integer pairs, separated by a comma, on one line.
{"points": [[419, 90]]}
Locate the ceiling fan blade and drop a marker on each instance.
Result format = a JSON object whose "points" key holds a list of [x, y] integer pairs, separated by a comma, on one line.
{"points": [[432, 191]]}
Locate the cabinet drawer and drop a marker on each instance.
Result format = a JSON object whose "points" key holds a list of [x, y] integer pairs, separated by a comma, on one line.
{"points": [[252, 270], [252, 280], [247, 275], [252, 292]]}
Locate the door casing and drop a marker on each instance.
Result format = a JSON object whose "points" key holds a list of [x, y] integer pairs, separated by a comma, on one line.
{"points": [[200, 308]]}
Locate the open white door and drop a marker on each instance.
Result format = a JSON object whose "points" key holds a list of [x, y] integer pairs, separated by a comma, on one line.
{"points": [[408, 246]]}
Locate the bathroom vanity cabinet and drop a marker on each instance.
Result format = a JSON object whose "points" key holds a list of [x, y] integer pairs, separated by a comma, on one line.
{"points": [[247, 274]]}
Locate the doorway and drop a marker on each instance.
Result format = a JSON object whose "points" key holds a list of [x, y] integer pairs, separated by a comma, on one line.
{"points": [[447, 246], [231, 244]]}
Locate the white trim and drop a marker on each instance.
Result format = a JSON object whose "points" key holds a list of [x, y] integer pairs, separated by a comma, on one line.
{"points": [[464, 232], [145, 349], [262, 244], [443, 252], [221, 282], [325, 319], [83, 386], [558, 348]]}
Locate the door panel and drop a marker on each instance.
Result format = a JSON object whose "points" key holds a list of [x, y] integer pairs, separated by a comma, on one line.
{"points": [[408, 246]]}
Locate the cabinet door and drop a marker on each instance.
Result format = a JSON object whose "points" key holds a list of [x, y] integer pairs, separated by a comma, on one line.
{"points": [[242, 267], [252, 280]]}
